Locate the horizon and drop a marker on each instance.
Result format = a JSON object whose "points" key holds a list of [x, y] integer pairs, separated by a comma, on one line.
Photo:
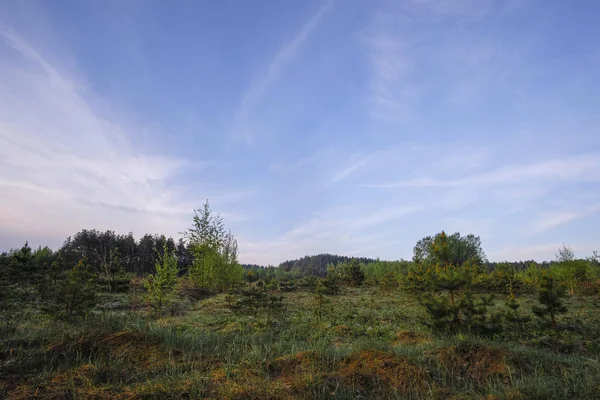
{"points": [[334, 127]]}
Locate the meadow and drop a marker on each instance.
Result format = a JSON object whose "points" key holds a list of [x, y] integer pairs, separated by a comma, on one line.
{"points": [[367, 343]]}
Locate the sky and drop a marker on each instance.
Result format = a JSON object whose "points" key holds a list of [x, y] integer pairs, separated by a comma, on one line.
{"points": [[348, 127]]}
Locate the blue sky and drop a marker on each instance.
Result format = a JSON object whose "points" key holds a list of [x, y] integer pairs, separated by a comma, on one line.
{"points": [[349, 127]]}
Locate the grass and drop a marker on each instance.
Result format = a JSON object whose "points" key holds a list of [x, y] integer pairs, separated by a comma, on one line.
{"points": [[369, 344]]}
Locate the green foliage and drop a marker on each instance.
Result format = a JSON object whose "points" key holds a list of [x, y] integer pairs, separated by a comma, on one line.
{"points": [[513, 315], [287, 285], [389, 281], [320, 300], [260, 299], [417, 279], [214, 252], [444, 250], [551, 298], [74, 294], [251, 277], [475, 315], [331, 281], [571, 273], [111, 267], [353, 273], [450, 304], [22, 274], [162, 286]]}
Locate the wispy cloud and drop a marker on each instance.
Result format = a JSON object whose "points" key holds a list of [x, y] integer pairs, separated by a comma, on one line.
{"points": [[551, 221], [277, 65], [393, 95], [467, 9], [349, 169], [63, 162], [583, 168]]}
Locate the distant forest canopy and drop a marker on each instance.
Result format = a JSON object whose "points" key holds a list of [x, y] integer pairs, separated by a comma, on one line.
{"points": [[140, 256], [319, 264]]}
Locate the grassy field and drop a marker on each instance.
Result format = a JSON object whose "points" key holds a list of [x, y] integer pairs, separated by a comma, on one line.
{"points": [[369, 343]]}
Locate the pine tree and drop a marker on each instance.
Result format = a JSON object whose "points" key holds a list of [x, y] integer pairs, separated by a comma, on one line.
{"points": [[512, 314], [353, 272], [320, 300], [274, 302], [551, 298], [75, 294], [331, 281], [475, 316], [260, 298], [252, 298], [449, 302]]}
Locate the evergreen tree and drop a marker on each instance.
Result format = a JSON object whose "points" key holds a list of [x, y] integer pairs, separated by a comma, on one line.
{"points": [[353, 273], [74, 294], [512, 314], [475, 317], [551, 299], [260, 298], [320, 299], [331, 281]]}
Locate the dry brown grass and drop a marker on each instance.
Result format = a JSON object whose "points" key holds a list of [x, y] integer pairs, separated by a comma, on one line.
{"points": [[411, 338], [477, 363], [371, 370]]}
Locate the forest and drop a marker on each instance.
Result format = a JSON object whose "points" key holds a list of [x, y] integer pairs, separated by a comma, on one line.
{"points": [[109, 316]]}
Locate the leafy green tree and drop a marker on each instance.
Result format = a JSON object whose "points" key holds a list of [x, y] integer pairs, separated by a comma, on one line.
{"points": [[594, 262], [565, 254], [214, 250], [162, 286], [444, 250], [569, 270], [551, 298]]}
